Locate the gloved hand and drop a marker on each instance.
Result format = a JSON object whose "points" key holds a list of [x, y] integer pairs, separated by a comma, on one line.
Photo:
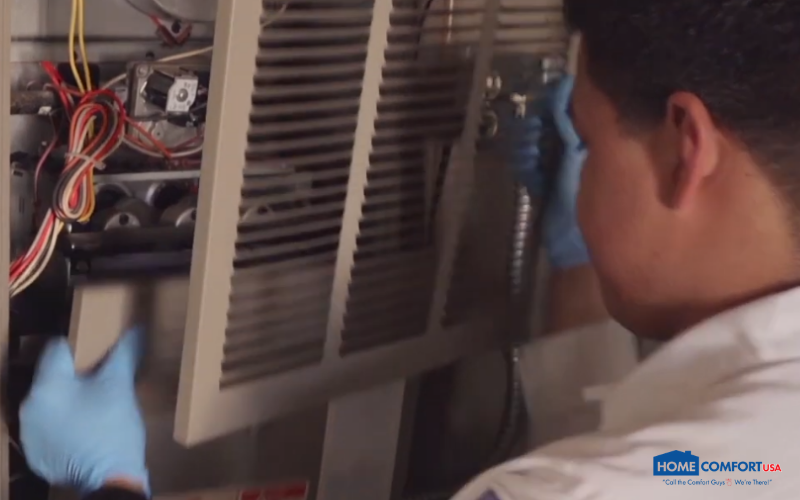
{"points": [[82, 431], [562, 237]]}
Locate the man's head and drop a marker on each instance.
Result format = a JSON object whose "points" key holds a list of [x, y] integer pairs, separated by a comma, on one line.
{"points": [[690, 111]]}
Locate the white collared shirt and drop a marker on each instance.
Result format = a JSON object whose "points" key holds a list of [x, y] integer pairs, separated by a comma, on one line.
{"points": [[728, 391]]}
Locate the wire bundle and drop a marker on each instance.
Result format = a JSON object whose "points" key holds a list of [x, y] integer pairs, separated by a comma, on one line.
{"points": [[74, 197], [97, 120], [96, 128], [100, 112]]}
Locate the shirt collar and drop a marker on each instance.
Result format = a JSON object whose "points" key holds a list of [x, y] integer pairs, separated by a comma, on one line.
{"points": [[763, 331]]}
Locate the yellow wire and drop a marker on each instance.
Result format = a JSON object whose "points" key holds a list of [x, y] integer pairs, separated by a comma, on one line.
{"points": [[81, 18], [82, 43], [72, 63]]}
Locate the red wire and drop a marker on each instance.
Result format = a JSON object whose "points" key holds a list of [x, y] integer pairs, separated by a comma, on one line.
{"points": [[155, 142], [40, 165], [58, 82], [22, 263]]}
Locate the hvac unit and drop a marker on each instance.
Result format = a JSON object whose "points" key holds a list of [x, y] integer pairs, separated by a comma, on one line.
{"points": [[332, 192]]}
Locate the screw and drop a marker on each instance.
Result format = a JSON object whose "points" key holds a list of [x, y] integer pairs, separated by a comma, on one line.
{"points": [[143, 70], [521, 102], [494, 84], [551, 67]]}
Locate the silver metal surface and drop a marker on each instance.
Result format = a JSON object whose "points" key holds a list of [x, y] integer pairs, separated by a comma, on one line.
{"points": [[151, 116], [160, 175], [521, 252], [362, 436], [201, 11], [182, 214], [128, 212], [182, 94]]}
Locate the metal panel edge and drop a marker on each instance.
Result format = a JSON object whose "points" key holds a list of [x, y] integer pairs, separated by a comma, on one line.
{"points": [[5, 195], [230, 102], [278, 395], [359, 165], [462, 163]]}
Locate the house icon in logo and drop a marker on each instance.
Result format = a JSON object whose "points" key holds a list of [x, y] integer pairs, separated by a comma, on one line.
{"points": [[676, 463]]}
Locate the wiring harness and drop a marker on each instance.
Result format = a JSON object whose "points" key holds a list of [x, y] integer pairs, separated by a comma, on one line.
{"points": [[97, 122], [95, 132]]}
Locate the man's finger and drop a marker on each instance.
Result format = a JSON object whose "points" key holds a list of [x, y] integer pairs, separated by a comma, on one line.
{"points": [[123, 360], [562, 98]]}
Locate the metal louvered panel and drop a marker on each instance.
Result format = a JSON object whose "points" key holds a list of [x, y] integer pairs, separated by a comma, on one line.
{"points": [[421, 108], [310, 66], [330, 208], [531, 27]]}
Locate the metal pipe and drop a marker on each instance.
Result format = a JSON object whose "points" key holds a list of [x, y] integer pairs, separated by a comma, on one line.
{"points": [[522, 230]]}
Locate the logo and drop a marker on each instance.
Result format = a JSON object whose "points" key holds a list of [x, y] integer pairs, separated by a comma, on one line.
{"points": [[676, 463], [683, 463]]}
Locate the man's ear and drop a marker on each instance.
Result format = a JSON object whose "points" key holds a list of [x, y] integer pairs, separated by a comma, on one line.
{"points": [[698, 147]]}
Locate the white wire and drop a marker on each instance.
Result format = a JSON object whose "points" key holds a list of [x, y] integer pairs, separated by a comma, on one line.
{"points": [[198, 52], [156, 154], [58, 226], [29, 275], [175, 57]]}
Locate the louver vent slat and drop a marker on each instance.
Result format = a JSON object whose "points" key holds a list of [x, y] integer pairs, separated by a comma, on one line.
{"points": [[341, 200], [308, 79], [421, 107]]}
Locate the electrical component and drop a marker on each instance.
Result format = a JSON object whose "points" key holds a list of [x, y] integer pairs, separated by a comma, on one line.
{"points": [[127, 213], [168, 101], [173, 94], [181, 214]]}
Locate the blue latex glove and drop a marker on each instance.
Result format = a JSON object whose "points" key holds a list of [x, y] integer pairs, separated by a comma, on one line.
{"points": [[81, 431], [562, 237]]}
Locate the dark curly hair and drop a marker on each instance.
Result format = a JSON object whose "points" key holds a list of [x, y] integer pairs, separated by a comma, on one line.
{"points": [[740, 57]]}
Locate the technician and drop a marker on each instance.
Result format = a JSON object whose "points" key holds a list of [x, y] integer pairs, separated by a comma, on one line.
{"points": [[688, 114]]}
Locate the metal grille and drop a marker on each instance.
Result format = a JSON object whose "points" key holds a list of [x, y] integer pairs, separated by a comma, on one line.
{"points": [[531, 27], [528, 30], [333, 198], [420, 114], [308, 80]]}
